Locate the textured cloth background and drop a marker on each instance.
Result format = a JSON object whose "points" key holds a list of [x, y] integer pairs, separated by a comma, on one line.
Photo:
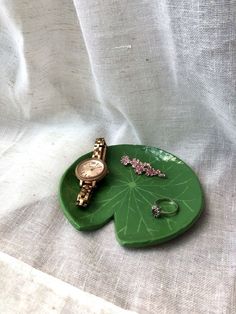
{"points": [[159, 73], [27, 290]]}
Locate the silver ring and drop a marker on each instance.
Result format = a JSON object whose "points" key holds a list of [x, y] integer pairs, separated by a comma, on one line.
{"points": [[157, 209]]}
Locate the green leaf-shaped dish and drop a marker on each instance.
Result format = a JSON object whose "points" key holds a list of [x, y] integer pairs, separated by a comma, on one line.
{"points": [[127, 197]]}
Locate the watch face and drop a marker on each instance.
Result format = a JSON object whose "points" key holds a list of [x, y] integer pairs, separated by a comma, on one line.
{"points": [[90, 169]]}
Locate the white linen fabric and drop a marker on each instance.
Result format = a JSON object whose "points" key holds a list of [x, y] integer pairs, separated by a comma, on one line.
{"points": [[159, 73], [27, 290]]}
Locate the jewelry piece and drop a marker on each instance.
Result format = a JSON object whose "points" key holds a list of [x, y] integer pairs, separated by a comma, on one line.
{"points": [[90, 171], [157, 210], [142, 167]]}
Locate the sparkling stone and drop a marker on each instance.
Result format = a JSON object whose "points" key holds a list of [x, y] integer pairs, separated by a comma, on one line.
{"points": [[134, 162], [125, 160]]}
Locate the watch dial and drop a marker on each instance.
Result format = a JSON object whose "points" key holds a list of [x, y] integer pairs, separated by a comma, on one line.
{"points": [[91, 168]]}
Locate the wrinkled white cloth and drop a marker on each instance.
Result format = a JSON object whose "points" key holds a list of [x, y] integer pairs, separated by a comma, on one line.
{"points": [[159, 73], [27, 290]]}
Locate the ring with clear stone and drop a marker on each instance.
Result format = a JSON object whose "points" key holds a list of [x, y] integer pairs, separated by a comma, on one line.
{"points": [[157, 208]]}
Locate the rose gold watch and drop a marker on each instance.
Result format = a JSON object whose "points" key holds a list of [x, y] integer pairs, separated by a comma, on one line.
{"points": [[90, 171]]}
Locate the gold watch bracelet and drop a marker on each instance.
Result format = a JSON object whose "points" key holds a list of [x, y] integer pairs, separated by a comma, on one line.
{"points": [[99, 152]]}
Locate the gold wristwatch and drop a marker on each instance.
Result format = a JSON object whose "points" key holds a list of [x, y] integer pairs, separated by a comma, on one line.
{"points": [[90, 171]]}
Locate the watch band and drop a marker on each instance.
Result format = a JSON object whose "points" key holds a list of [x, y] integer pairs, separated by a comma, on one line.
{"points": [[84, 194], [99, 152]]}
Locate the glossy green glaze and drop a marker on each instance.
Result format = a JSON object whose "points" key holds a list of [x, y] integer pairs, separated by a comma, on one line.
{"points": [[127, 198]]}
